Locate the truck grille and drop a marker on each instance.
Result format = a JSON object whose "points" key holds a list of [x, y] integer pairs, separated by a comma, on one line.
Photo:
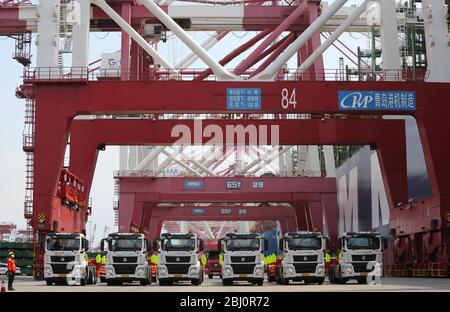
{"points": [[360, 267], [61, 268], [178, 259], [364, 257], [125, 268], [305, 267], [305, 258], [62, 258], [243, 259], [243, 268], [124, 259], [177, 268]]}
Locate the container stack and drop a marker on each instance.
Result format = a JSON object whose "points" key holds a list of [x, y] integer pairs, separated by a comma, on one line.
{"points": [[23, 252]]}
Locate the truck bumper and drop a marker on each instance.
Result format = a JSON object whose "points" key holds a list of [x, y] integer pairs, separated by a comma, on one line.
{"points": [[141, 273], [74, 277], [190, 275], [228, 274], [290, 273]]}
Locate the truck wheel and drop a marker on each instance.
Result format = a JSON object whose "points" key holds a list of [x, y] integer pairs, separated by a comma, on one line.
{"points": [[83, 282], [143, 282], [260, 282], [210, 276], [195, 282], [320, 281], [307, 282], [227, 282], [284, 281], [49, 282], [342, 281], [109, 283]]}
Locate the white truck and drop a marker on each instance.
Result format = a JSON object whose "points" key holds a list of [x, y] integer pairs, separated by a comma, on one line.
{"points": [[360, 255], [242, 258], [178, 258], [303, 258], [66, 261], [126, 259]]}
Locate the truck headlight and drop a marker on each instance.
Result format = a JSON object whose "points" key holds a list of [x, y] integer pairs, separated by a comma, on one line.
{"points": [[290, 270], [77, 271], [48, 271], [259, 271], [140, 271], [227, 271], [162, 270], [193, 270], [320, 269], [349, 270], [109, 271]]}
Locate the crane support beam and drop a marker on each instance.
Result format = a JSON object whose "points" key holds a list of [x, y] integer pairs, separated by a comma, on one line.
{"points": [[88, 136], [23, 18]]}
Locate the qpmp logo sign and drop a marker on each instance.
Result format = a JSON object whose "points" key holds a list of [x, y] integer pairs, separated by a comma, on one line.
{"points": [[377, 100]]}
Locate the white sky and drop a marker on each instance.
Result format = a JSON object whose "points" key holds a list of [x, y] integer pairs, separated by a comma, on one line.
{"points": [[12, 158]]}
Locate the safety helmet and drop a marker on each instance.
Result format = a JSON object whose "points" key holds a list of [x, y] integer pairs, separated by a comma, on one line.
{"points": [[11, 253]]}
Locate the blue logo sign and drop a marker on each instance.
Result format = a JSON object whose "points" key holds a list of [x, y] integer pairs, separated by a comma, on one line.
{"points": [[234, 185], [243, 99], [193, 184], [198, 211], [377, 100]]}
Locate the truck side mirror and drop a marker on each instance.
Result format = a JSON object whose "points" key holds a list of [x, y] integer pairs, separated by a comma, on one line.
{"points": [[280, 244], [155, 244], [148, 244], [266, 244], [201, 245], [219, 245], [385, 242], [102, 245], [327, 243], [86, 245]]}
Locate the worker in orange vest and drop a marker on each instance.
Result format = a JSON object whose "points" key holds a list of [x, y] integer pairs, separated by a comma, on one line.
{"points": [[11, 270]]}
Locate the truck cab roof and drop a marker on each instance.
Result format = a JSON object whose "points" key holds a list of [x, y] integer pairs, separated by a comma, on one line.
{"points": [[179, 235], [302, 234], [362, 233], [65, 235], [242, 235], [126, 235]]}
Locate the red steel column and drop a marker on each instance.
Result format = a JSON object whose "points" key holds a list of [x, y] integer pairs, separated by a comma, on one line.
{"points": [[52, 133]]}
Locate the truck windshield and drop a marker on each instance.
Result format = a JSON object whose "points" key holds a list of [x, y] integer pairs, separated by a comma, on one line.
{"points": [[365, 242], [212, 254], [243, 244], [124, 244], [178, 244], [63, 244], [305, 243]]}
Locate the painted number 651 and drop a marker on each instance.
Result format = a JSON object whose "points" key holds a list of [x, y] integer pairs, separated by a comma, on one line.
{"points": [[288, 98]]}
